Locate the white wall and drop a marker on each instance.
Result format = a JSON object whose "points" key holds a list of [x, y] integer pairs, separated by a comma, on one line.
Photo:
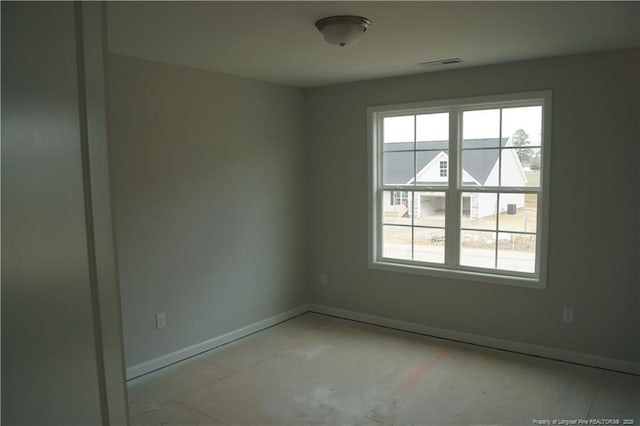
{"points": [[594, 207], [209, 202]]}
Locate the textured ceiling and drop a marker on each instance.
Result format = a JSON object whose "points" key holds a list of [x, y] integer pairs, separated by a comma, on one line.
{"points": [[277, 41]]}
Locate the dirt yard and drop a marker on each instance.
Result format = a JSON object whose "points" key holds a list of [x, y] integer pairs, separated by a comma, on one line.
{"points": [[479, 233]]}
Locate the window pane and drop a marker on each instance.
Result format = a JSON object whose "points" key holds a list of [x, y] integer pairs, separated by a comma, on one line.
{"points": [[518, 212], [479, 210], [428, 167], [532, 170], [428, 245], [522, 125], [520, 167], [480, 167], [478, 249], [396, 242], [429, 208], [398, 129], [516, 252], [432, 127], [397, 168], [397, 207], [481, 128]]}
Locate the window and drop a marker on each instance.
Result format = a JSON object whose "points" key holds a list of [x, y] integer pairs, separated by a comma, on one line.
{"points": [[399, 198], [458, 188], [443, 169]]}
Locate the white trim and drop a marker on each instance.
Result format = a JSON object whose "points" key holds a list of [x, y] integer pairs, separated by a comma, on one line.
{"points": [[374, 206], [489, 342], [182, 354], [545, 200], [466, 273], [468, 104]]}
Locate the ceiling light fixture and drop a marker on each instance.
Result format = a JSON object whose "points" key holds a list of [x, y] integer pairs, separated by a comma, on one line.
{"points": [[343, 30]]}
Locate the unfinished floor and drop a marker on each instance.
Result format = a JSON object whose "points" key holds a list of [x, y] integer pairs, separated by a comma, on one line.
{"points": [[320, 370]]}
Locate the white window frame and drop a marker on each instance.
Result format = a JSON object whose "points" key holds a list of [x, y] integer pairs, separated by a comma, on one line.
{"points": [[451, 268]]}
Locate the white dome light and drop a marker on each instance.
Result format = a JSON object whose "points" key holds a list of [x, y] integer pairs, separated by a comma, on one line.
{"points": [[343, 30]]}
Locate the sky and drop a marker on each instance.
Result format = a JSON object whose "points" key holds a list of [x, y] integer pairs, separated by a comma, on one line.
{"points": [[475, 125]]}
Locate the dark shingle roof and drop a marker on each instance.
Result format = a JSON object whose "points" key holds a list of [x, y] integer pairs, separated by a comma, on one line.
{"points": [[398, 166]]}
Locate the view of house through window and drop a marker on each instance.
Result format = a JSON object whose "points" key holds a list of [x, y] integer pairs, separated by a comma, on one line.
{"points": [[475, 210]]}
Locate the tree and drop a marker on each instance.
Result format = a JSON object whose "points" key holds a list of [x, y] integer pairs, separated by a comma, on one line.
{"points": [[535, 162], [521, 139]]}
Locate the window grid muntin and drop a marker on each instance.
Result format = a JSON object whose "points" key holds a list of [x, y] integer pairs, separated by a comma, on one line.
{"points": [[413, 194]]}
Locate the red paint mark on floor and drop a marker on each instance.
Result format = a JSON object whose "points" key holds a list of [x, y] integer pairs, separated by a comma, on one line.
{"points": [[423, 368]]}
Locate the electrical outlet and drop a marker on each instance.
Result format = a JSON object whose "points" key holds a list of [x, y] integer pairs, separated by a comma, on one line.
{"points": [[161, 320], [567, 315], [323, 279]]}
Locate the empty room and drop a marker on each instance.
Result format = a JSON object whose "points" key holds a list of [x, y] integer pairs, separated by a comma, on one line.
{"points": [[320, 213]]}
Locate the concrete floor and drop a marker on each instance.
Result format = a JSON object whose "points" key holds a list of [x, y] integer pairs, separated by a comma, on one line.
{"points": [[319, 370]]}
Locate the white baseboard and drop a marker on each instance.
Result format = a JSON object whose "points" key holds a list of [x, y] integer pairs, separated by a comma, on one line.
{"points": [[181, 354], [491, 342]]}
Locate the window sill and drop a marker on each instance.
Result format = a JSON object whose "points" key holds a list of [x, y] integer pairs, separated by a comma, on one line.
{"points": [[509, 280]]}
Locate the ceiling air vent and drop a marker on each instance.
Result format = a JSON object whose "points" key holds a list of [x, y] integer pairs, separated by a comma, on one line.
{"points": [[449, 61]]}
